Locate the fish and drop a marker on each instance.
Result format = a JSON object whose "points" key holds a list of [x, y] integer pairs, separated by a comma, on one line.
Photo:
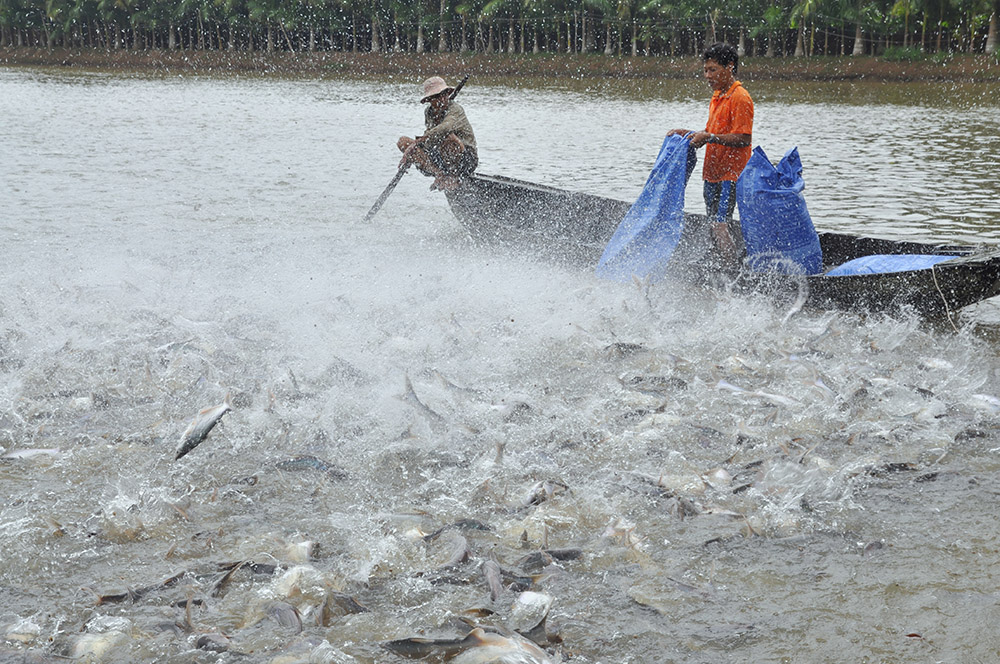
{"points": [[133, 595], [468, 391], [419, 647], [300, 552], [458, 552], [31, 453], [285, 615], [621, 350], [265, 569], [24, 631], [337, 604], [657, 385], [461, 524], [776, 399], [478, 647], [986, 402], [201, 425], [512, 409], [494, 578], [529, 613], [95, 646], [800, 299], [936, 364], [309, 462], [823, 388], [542, 491], [538, 560], [213, 643], [410, 396], [492, 648]]}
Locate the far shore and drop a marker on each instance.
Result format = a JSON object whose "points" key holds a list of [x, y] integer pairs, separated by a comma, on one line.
{"points": [[334, 64]]}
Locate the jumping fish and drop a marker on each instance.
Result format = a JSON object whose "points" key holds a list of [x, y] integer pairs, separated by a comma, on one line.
{"points": [[285, 615], [31, 453], [538, 560], [135, 594], [201, 425], [800, 299], [494, 578], [410, 396], [309, 462], [491, 648], [478, 647], [338, 604], [776, 399], [461, 524], [542, 491], [94, 647], [529, 613], [458, 552]]}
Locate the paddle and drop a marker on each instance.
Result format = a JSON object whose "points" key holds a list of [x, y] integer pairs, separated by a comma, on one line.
{"points": [[406, 165]]}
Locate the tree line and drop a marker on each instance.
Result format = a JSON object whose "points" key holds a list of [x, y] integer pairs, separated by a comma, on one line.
{"points": [[612, 27]]}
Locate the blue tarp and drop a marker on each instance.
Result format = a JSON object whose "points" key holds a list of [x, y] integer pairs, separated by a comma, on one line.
{"points": [[882, 263], [651, 229], [777, 230]]}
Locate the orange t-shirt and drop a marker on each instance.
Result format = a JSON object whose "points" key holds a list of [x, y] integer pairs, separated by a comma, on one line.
{"points": [[730, 112]]}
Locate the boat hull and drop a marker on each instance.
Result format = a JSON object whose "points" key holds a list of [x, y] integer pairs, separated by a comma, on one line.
{"points": [[576, 227]]}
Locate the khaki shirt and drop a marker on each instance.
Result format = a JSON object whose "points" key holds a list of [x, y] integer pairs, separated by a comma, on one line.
{"points": [[453, 122]]}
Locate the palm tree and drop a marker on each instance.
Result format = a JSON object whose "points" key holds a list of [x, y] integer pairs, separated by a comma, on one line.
{"points": [[442, 25], [800, 13], [662, 12], [903, 8], [463, 10], [504, 9], [991, 36], [626, 12]]}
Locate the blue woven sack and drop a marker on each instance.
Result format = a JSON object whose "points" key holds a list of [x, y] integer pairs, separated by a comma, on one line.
{"points": [[651, 229], [777, 230]]}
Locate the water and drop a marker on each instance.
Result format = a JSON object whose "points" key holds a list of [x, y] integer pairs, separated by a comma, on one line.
{"points": [[169, 241]]}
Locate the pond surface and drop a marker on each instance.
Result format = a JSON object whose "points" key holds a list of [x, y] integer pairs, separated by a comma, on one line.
{"points": [[732, 483]]}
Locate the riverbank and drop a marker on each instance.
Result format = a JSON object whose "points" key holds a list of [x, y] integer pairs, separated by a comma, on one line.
{"points": [[958, 68]]}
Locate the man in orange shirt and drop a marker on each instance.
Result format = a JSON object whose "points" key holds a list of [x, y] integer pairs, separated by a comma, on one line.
{"points": [[728, 137]]}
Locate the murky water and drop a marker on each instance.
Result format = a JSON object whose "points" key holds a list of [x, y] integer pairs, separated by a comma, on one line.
{"points": [[733, 488]]}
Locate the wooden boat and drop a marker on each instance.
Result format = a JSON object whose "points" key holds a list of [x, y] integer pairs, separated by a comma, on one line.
{"points": [[576, 227]]}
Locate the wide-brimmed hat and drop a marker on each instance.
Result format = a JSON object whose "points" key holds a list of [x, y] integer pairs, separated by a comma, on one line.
{"points": [[434, 86]]}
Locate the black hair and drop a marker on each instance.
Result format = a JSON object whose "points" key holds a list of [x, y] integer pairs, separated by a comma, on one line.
{"points": [[722, 53]]}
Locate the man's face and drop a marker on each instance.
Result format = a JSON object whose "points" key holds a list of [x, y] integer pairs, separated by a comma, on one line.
{"points": [[440, 100], [718, 76]]}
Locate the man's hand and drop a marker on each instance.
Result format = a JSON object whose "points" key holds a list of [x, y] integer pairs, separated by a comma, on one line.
{"points": [[407, 157], [698, 138], [701, 138]]}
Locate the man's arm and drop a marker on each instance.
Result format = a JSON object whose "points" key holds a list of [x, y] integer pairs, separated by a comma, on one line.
{"points": [[452, 121], [701, 138]]}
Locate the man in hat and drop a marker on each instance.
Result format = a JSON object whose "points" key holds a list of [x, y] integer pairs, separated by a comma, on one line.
{"points": [[728, 137], [447, 150]]}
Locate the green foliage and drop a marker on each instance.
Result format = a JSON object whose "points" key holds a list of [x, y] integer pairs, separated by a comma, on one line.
{"points": [[903, 54], [666, 27]]}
